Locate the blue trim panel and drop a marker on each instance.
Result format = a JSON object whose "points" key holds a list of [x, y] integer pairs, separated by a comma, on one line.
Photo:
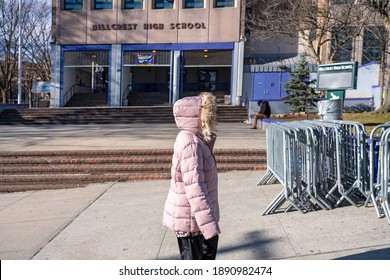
{"points": [[86, 47], [358, 98], [179, 47], [320, 99]]}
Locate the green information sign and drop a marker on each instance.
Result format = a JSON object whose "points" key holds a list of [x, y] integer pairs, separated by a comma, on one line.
{"points": [[337, 76], [335, 94]]}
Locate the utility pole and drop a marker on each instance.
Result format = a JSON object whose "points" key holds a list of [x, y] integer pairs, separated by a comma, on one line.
{"points": [[20, 55]]}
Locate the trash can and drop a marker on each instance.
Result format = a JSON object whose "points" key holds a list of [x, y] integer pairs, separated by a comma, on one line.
{"points": [[331, 109]]}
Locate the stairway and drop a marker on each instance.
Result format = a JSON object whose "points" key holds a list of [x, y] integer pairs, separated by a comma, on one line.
{"points": [[148, 99], [228, 113], [107, 115], [95, 99], [36, 170]]}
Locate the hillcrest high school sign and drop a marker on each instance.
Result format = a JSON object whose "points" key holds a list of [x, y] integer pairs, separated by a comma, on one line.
{"points": [[148, 26]]}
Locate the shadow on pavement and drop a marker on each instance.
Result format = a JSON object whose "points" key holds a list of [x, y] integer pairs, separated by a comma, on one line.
{"points": [[381, 254], [253, 244]]}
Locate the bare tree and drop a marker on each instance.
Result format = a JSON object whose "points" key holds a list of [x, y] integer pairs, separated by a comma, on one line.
{"points": [[8, 46], [323, 29], [37, 48], [35, 22], [329, 29], [383, 9]]}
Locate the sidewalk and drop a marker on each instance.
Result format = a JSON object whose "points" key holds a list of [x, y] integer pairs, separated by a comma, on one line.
{"points": [[122, 220], [120, 136]]}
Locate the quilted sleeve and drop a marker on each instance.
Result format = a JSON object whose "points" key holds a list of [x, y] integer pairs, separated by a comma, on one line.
{"points": [[197, 191]]}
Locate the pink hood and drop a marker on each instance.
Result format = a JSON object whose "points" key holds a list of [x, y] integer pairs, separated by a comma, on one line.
{"points": [[187, 114]]}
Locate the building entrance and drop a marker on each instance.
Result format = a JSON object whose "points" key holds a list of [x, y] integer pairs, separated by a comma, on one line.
{"points": [[207, 70], [85, 78], [145, 78]]}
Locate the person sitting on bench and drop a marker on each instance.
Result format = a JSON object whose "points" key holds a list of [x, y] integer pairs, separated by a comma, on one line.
{"points": [[263, 113]]}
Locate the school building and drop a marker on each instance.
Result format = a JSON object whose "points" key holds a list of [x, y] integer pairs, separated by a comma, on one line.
{"points": [[165, 49]]}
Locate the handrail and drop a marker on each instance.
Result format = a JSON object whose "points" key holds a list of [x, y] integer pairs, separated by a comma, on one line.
{"points": [[69, 94]]}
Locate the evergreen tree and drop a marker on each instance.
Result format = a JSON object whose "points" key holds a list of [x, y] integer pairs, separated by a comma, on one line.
{"points": [[301, 95]]}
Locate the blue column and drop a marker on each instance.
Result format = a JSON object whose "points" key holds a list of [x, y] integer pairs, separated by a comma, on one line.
{"points": [[175, 69], [237, 73], [115, 77], [55, 84]]}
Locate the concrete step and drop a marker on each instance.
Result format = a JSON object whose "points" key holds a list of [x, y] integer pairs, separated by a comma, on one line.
{"points": [[95, 99], [107, 115], [80, 167], [75, 162]]}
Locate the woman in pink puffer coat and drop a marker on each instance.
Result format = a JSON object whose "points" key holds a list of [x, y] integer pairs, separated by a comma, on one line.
{"points": [[191, 208]]}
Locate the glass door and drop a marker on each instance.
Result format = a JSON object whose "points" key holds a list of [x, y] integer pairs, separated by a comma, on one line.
{"points": [[207, 80]]}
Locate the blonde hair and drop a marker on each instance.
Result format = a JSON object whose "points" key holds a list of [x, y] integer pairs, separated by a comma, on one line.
{"points": [[208, 115]]}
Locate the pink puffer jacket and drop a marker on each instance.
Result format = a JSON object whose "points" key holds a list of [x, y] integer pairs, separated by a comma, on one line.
{"points": [[192, 203]]}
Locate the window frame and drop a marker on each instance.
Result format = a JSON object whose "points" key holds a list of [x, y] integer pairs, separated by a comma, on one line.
{"points": [[67, 3], [194, 2], [217, 3], [133, 8], [163, 2], [103, 2]]}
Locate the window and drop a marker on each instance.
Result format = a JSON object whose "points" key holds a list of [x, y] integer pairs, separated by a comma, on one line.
{"points": [[374, 38], [224, 3], [190, 4], [102, 4], [86, 57], [73, 4], [133, 4], [163, 4], [342, 45]]}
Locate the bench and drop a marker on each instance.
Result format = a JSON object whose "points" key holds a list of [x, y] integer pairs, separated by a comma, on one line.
{"points": [[264, 122]]}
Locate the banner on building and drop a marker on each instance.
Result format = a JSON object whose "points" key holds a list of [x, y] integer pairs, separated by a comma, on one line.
{"points": [[145, 59]]}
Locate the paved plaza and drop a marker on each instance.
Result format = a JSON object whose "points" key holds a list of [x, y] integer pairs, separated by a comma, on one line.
{"points": [[122, 220]]}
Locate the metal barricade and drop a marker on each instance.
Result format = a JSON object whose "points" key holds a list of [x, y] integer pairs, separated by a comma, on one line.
{"points": [[305, 171], [314, 146], [383, 186], [319, 163], [332, 184], [385, 171], [275, 172], [279, 164], [296, 148], [374, 170], [353, 161]]}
